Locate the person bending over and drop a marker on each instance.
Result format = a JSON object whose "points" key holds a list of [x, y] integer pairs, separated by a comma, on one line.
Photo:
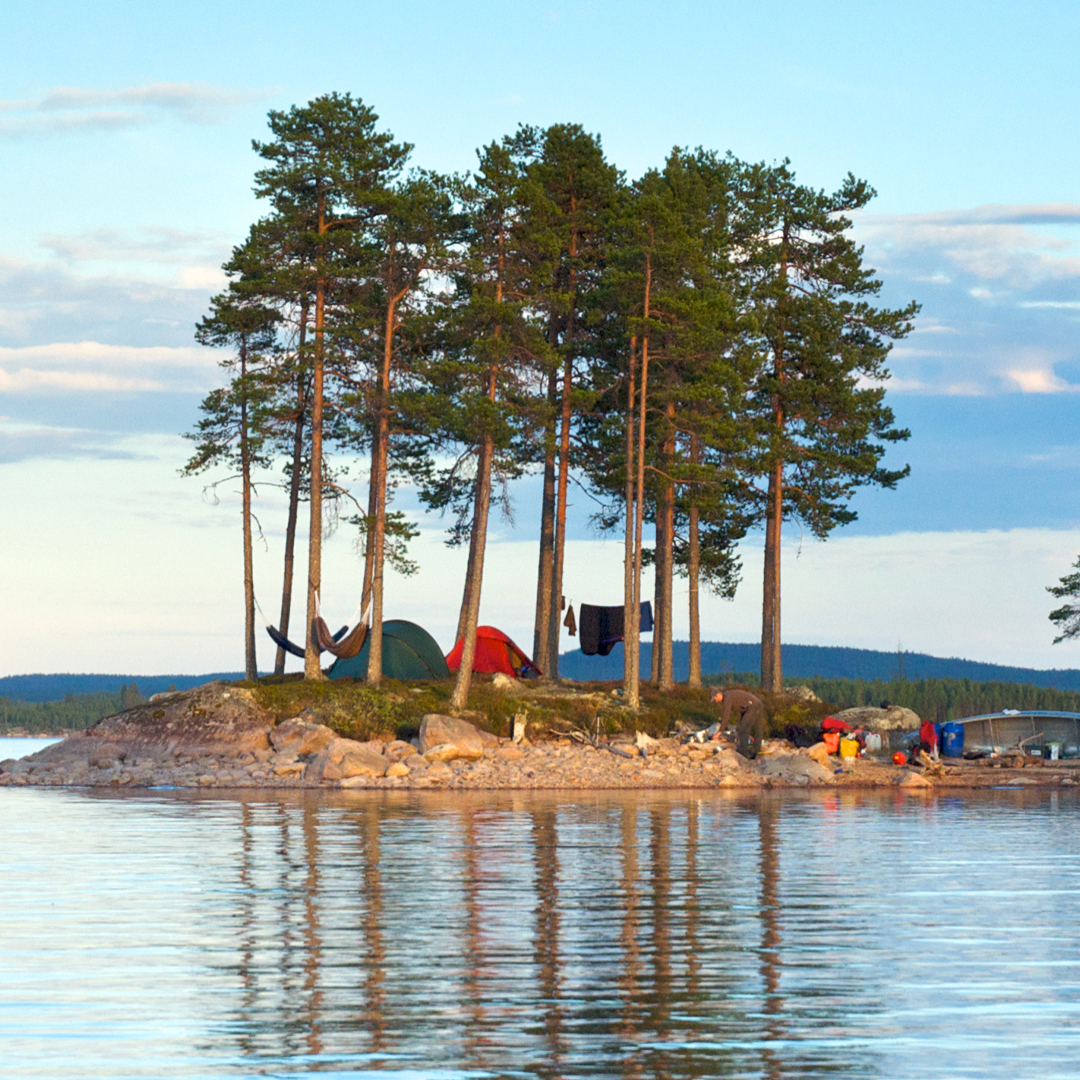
{"points": [[748, 712]]}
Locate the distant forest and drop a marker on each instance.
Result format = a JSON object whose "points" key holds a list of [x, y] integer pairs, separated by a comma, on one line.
{"points": [[934, 687], [75, 712], [804, 662]]}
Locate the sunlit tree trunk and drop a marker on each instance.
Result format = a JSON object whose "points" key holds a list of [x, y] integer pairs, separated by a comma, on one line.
{"points": [[694, 574], [632, 636], [541, 631], [251, 670], [312, 668], [294, 490]]}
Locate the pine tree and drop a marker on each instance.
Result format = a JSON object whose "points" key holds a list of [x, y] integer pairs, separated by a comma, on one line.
{"points": [[232, 430], [1067, 617], [329, 179], [820, 393]]}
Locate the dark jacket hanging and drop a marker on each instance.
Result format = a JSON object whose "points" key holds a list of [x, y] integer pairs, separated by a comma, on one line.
{"points": [[602, 627]]}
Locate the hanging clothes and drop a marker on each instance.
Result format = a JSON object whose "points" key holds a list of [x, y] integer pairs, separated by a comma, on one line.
{"points": [[570, 622], [602, 627]]}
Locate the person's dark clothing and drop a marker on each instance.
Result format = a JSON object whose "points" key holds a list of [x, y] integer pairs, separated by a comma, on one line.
{"points": [[601, 628], [748, 712]]}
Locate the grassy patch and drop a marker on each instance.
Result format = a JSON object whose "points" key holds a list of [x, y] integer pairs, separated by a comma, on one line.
{"points": [[356, 711]]}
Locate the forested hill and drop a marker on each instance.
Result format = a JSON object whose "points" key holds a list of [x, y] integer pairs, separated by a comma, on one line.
{"points": [[800, 662], [57, 687], [825, 661]]}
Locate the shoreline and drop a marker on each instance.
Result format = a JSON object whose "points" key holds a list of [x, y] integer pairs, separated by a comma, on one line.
{"points": [[218, 737]]}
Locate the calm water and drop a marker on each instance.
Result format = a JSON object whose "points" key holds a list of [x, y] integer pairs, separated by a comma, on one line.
{"points": [[169, 935], [18, 748]]}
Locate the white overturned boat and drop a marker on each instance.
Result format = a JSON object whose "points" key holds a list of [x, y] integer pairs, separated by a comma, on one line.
{"points": [[1037, 729]]}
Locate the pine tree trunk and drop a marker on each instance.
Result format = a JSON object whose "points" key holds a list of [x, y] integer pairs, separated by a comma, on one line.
{"points": [[378, 549], [559, 554], [639, 510], [312, 667], [541, 629], [694, 574], [771, 674], [294, 496], [369, 535], [251, 669], [470, 566], [476, 574], [665, 542], [631, 633]]}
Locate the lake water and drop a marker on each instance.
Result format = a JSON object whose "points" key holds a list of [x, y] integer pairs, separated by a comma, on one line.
{"points": [[681, 935], [19, 747]]}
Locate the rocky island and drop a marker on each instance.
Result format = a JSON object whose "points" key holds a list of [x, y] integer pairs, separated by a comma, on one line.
{"points": [[221, 735]]}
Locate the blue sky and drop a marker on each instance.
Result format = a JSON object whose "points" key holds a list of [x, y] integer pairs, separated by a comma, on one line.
{"points": [[125, 138]]}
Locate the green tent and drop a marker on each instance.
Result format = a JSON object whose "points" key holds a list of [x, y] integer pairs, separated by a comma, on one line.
{"points": [[409, 652]]}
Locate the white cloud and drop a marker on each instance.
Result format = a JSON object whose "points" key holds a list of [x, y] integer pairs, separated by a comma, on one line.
{"points": [[1039, 381], [68, 109], [92, 366], [143, 244], [1005, 281]]}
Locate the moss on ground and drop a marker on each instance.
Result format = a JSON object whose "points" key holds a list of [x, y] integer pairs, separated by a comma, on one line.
{"points": [[357, 711]]}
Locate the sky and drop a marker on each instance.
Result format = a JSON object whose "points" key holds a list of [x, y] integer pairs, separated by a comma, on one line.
{"points": [[125, 146]]}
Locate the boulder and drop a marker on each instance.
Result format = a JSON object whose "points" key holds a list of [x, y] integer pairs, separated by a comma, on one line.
{"points": [[301, 736], [506, 683], [793, 769], [215, 718], [345, 758], [819, 753], [894, 718], [398, 768], [913, 780], [437, 730], [801, 693]]}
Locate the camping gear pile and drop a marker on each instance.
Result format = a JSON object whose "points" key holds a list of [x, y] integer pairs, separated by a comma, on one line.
{"points": [[839, 737]]}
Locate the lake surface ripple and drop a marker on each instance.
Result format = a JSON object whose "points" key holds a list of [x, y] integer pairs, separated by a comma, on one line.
{"points": [[539, 935]]}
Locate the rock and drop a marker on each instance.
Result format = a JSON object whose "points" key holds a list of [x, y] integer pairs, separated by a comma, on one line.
{"points": [[645, 742], [301, 736], [345, 758], [291, 768], [819, 753], [398, 750], [913, 780], [510, 753], [437, 730], [443, 752], [398, 768], [775, 746], [793, 768], [894, 718], [801, 693], [439, 771], [506, 683]]}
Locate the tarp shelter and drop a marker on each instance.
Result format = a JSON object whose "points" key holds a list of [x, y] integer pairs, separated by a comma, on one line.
{"points": [[494, 652], [409, 652]]}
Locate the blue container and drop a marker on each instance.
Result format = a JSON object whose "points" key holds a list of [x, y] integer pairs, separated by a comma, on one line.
{"points": [[952, 740]]}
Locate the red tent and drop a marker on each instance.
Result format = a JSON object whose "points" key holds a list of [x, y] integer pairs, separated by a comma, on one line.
{"points": [[494, 652]]}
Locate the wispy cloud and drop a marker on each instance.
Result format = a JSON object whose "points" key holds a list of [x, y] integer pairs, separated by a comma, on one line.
{"points": [[49, 300], [27, 442], [146, 243], [1000, 289], [94, 367], [70, 109]]}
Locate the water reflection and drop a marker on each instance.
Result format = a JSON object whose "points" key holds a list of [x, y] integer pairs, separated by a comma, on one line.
{"points": [[658, 935]]}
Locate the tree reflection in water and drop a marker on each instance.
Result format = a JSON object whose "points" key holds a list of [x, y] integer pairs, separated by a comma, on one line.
{"points": [[536, 934]]}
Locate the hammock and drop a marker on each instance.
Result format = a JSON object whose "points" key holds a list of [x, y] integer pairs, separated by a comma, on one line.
{"points": [[344, 644], [341, 647], [283, 642]]}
